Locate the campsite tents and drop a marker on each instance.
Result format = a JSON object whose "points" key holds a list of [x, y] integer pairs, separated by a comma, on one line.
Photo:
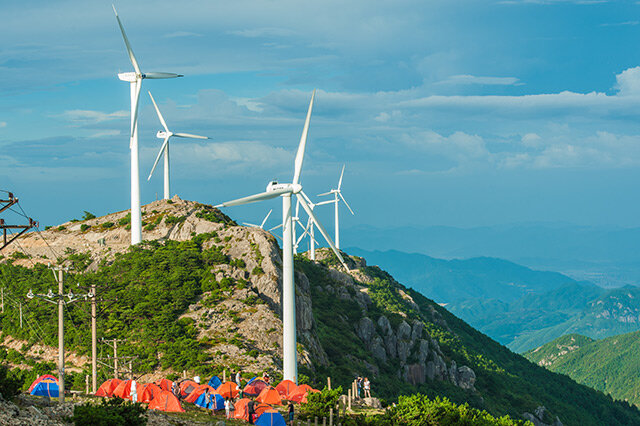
{"points": [[269, 396], [255, 387], [217, 402], [270, 418], [147, 392], [301, 392], [228, 390], [187, 387], [166, 401], [164, 384], [36, 381], [215, 382], [285, 388], [191, 398], [46, 387], [107, 388], [123, 390], [241, 411]]}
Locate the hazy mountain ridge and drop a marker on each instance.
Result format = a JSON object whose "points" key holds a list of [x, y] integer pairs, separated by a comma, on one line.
{"points": [[610, 365]]}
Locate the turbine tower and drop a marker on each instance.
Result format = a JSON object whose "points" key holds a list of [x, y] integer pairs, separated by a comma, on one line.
{"points": [[337, 197], [135, 79], [166, 135], [286, 191]]}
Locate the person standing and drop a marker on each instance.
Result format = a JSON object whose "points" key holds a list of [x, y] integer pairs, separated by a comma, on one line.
{"points": [[291, 413], [251, 410], [208, 401], [227, 401], [238, 378], [134, 391], [359, 385], [175, 389], [367, 388]]}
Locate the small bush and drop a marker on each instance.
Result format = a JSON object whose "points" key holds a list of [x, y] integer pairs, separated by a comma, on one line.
{"points": [[238, 263], [257, 271], [9, 384], [88, 215], [125, 220], [110, 412], [84, 227], [319, 403], [61, 228], [107, 225], [171, 220]]}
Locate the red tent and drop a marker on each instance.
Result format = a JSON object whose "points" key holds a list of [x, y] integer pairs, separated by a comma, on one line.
{"points": [[254, 388], [241, 409], [269, 396], [39, 379], [187, 387], [301, 392], [285, 388], [228, 390], [261, 408], [107, 388], [147, 392], [123, 390], [193, 396], [166, 401], [164, 384]]}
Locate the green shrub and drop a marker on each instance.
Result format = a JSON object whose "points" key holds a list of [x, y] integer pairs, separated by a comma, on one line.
{"points": [[319, 403], [171, 220], [214, 256], [88, 215], [61, 228], [107, 225], [46, 228], [9, 384], [84, 227], [238, 263], [19, 255], [125, 220], [257, 271], [110, 412]]}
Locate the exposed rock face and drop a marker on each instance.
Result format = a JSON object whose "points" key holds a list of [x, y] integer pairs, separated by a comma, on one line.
{"points": [[365, 330], [538, 419], [466, 378]]}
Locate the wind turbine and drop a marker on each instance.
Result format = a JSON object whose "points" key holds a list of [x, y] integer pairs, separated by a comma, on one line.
{"points": [[135, 79], [261, 226], [309, 229], [286, 191], [337, 197], [166, 135]]}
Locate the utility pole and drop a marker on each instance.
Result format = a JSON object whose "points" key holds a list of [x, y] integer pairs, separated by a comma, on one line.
{"points": [[2, 301], [94, 343], [20, 314], [113, 343]]}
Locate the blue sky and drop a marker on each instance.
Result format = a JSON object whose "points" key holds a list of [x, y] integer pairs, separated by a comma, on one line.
{"points": [[464, 113]]}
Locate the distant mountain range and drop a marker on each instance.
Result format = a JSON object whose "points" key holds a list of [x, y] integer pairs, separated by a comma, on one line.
{"points": [[610, 365], [519, 307], [606, 256]]}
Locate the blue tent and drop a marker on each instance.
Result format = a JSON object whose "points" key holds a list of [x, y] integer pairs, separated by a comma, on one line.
{"points": [[215, 382], [216, 404], [46, 387], [270, 418]]}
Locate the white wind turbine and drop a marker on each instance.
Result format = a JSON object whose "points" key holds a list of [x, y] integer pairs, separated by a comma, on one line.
{"points": [[337, 197], [286, 190], [261, 226], [309, 229], [135, 79], [166, 135]]}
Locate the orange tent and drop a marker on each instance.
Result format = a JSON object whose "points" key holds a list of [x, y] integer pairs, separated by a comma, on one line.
{"points": [[261, 408], [285, 388], [228, 390], [301, 392], [241, 411], [187, 387], [254, 388], [107, 388], [147, 392], [166, 401], [269, 396], [123, 390], [164, 384], [193, 396]]}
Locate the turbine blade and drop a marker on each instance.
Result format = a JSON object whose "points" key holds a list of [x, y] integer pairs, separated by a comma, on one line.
{"points": [[297, 208], [341, 174], [322, 230], [254, 198], [345, 203], [303, 143], [136, 102], [251, 225], [275, 227], [164, 124], [189, 135], [265, 219], [132, 57], [162, 148], [326, 202], [161, 75], [325, 193]]}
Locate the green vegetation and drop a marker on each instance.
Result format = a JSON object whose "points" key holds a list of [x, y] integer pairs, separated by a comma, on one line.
{"points": [[320, 403], [84, 227], [173, 220], [125, 220], [9, 384], [88, 216], [107, 225], [610, 365], [110, 412]]}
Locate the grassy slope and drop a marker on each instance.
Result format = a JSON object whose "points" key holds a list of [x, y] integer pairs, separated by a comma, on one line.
{"points": [[610, 365]]}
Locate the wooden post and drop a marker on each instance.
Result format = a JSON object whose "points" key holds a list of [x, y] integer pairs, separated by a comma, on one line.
{"points": [[184, 374], [329, 383], [224, 375], [20, 314], [86, 385], [330, 416], [316, 420], [308, 422], [324, 421], [349, 398]]}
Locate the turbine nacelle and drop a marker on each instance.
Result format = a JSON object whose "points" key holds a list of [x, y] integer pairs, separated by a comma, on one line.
{"points": [[163, 134], [129, 77], [284, 187]]}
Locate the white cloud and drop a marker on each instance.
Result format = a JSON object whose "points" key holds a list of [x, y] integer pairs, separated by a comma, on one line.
{"points": [[486, 81], [628, 82], [531, 140], [83, 116], [620, 24], [106, 133]]}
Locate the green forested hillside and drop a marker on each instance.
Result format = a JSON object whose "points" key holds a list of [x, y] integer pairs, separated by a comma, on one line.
{"points": [[610, 365], [201, 305]]}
